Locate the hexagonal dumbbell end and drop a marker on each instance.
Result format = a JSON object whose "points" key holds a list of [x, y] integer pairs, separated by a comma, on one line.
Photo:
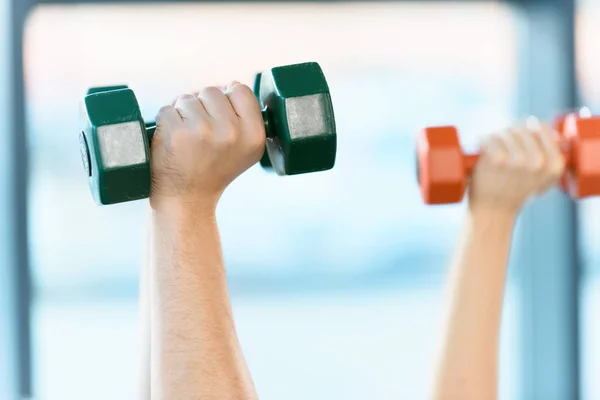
{"points": [[115, 146], [101, 89], [441, 171], [299, 119], [583, 167]]}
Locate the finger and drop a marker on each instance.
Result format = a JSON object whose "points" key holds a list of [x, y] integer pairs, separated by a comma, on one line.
{"points": [[246, 106], [215, 103], [550, 141], [190, 108], [517, 149], [535, 153], [244, 102], [176, 97], [494, 151], [167, 117]]}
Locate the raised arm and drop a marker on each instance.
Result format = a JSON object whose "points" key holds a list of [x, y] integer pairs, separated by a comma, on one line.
{"points": [[513, 166], [202, 144]]}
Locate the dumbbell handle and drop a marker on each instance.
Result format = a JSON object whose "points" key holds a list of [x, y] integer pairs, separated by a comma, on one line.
{"points": [[150, 129], [270, 132], [151, 126], [470, 160], [256, 89]]}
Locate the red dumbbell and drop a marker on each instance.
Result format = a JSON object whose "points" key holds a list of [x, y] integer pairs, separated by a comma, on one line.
{"points": [[443, 168], [559, 126]]}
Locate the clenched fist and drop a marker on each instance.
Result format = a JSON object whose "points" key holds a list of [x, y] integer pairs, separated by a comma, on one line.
{"points": [[204, 141], [515, 165]]}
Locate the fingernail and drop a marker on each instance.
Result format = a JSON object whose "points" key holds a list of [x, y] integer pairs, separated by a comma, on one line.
{"points": [[533, 123]]}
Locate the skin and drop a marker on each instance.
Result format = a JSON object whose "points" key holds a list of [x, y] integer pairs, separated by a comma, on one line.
{"points": [[202, 143], [514, 166]]}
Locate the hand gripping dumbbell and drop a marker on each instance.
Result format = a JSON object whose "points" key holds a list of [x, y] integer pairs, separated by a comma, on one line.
{"points": [[298, 119], [442, 167]]}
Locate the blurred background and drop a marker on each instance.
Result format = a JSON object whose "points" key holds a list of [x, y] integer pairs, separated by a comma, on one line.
{"points": [[337, 278]]}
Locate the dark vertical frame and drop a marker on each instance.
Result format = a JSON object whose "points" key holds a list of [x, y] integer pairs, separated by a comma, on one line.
{"points": [[546, 242], [545, 252], [17, 197]]}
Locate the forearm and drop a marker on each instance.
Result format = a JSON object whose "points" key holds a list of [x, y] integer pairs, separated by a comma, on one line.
{"points": [[468, 368], [195, 349]]}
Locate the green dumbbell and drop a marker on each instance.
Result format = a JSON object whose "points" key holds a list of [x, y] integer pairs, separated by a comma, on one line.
{"points": [[299, 119], [297, 113], [114, 143]]}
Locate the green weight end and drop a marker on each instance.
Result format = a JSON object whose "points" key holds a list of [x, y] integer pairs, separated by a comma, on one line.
{"points": [[115, 147], [100, 89], [312, 155], [299, 80], [300, 118]]}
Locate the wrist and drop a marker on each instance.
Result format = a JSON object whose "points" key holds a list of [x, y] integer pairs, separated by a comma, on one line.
{"points": [[492, 218], [181, 213]]}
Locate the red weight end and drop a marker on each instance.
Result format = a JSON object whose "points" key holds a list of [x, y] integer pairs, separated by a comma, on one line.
{"points": [[583, 138], [440, 165]]}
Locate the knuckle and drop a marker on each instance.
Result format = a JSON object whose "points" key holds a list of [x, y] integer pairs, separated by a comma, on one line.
{"points": [[242, 90], [178, 138], [230, 137], [557, 167], [187, 97], [203, 129], [229, 132], [163, 110], [229, 124], [537, 164], [492, 140], [210, 90], [513, 133], [497, 160], [548, 133], [518, 162]]}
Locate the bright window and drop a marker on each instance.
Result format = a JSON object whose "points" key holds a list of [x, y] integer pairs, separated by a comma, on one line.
{"points": [[337, 277]]}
